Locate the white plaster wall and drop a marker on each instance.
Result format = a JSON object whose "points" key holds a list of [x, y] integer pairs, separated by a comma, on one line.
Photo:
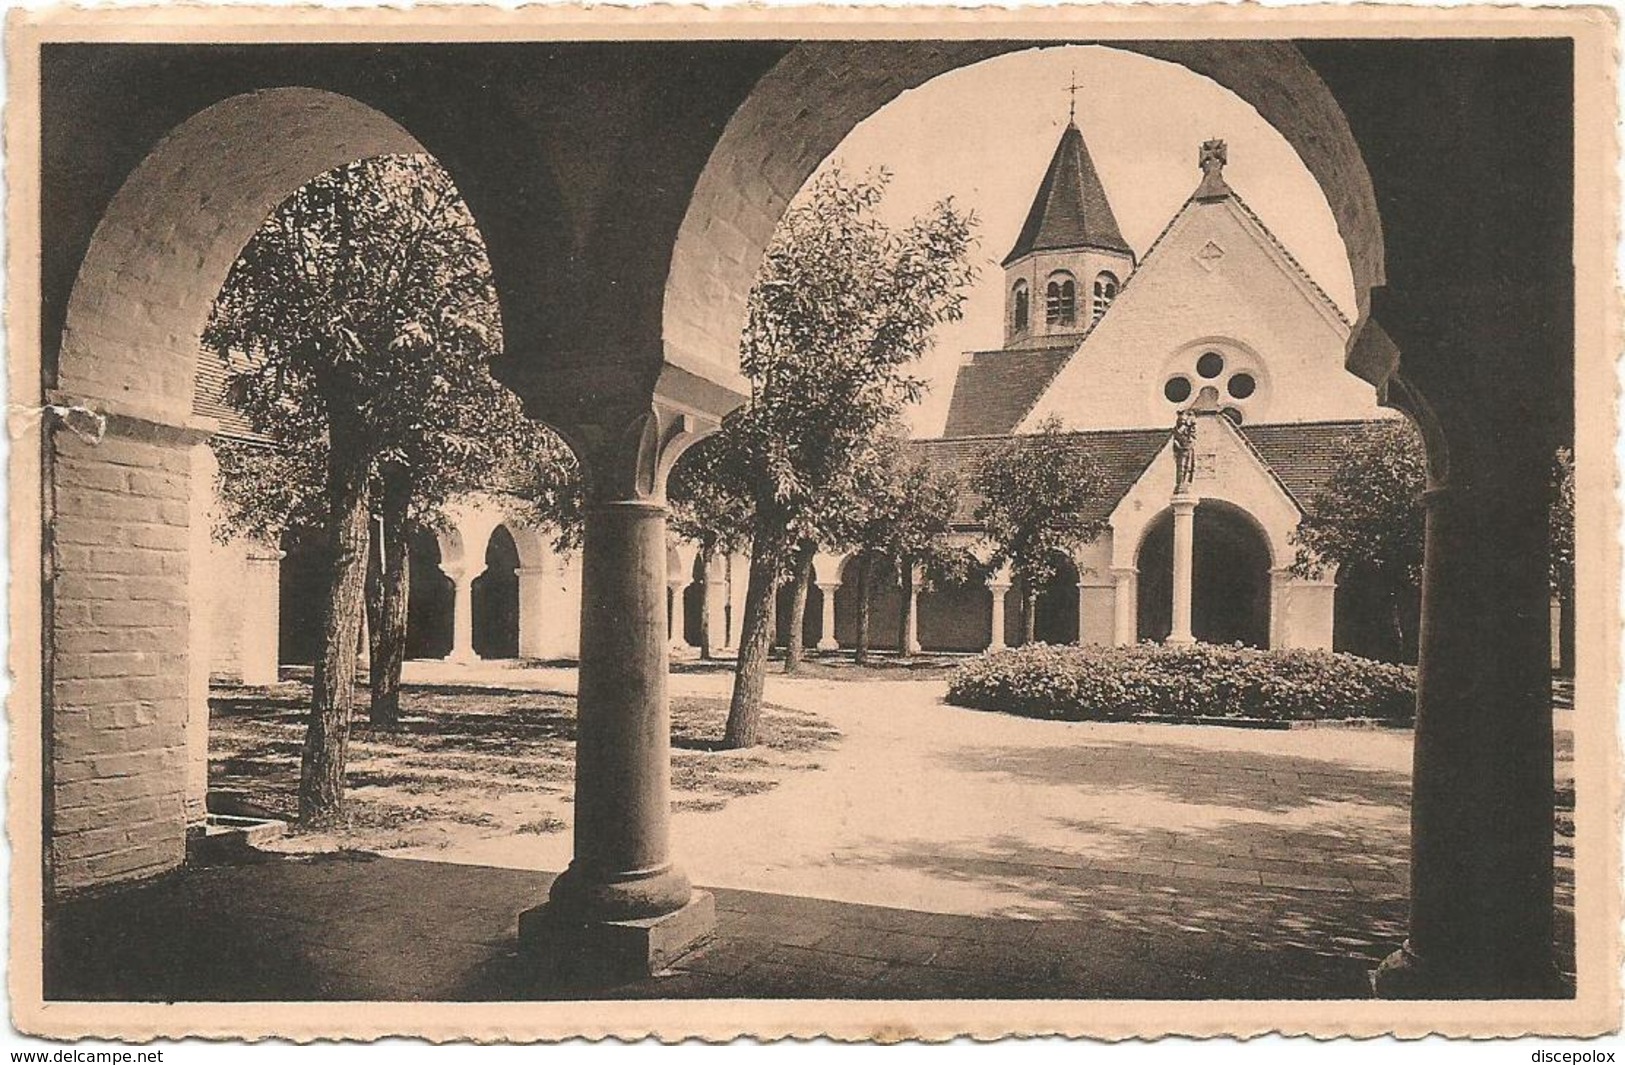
{"points": [[1249, 301]]}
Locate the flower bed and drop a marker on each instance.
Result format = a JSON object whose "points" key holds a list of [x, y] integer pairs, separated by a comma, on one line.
{"points": [[1155, 682]]}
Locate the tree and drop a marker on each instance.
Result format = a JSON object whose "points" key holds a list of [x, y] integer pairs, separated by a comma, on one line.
{"points": [[841, 308], [1036, 492], [358, 325], [710, 506], [902, 514], [1368, 517]]}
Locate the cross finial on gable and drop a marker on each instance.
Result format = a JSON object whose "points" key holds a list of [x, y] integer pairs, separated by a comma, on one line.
{"points": [[1072, 105], [1213, 157]]}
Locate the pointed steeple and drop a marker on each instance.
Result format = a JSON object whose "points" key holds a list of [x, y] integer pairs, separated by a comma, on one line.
{"points": [[1071, 209]]}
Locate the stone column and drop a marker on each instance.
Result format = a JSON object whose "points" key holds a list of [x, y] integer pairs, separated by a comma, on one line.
{"points": [[738, 584], [716, 605], [676, 586], [532, 610], [827, 641], [997, 585], [1125, 605], [462, 615], [622, 908], [262, 610], [1184, 506], [911, 635], [1481, 893], [1280, 608]]}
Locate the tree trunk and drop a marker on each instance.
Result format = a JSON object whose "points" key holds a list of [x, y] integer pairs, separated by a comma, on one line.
{"points": [[905, 613], [388, 621], [706, 554], [327, 736], [795, 648], [755, 641], [866, 575], [1029, 616]]}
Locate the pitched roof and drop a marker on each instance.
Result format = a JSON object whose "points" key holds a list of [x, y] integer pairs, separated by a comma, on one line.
{"points": [[209, 397], [1301, 456], [1071, 209], [1304, 455], [1122, 454], [995, 389]]}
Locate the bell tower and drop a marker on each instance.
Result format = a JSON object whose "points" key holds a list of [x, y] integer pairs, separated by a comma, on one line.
{"points": [[1070, 259]]}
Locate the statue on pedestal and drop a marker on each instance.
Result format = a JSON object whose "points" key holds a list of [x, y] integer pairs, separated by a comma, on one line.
{"points": [[1184, 450]]}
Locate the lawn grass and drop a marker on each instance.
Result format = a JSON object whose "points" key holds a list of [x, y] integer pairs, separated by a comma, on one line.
{"points": [[475, 761]]}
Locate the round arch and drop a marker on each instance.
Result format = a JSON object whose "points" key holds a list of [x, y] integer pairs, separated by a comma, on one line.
{"points": [[775, 140], [131, 336], [1230, 576]]}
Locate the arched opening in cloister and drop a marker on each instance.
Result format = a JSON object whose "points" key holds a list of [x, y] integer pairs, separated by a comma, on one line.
{"points": [[956, 615], [495, 598], [1230, 577], [430, 601]]}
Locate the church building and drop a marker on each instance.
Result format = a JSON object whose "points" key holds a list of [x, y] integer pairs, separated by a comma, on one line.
{"points": [[1216, 317]]}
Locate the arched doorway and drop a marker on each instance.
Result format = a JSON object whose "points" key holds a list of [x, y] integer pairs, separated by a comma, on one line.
{"points": [[430, 601], [495, 597], [1230, 578]]}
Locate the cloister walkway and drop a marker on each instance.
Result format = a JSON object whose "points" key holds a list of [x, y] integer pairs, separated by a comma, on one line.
{"points": [[936, 852]]}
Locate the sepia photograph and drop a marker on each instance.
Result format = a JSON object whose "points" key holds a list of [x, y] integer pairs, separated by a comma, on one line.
{"points": [[887, 524]]}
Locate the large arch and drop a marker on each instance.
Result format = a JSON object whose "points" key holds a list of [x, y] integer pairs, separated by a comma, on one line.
{"points": [[776, 140], [128, 351]]}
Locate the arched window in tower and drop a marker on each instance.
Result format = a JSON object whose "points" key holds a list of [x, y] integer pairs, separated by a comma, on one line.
{"points": [[1105, 291], [1018, 314], [1061, 300]]}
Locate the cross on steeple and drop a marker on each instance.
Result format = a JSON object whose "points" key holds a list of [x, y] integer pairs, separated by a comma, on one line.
{"points": [[1072, 106]]}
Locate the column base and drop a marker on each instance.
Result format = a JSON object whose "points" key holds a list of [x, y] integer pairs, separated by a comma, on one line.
{"points": [[826, 646], [1180, 641], [1403, 975], [581, 951]]}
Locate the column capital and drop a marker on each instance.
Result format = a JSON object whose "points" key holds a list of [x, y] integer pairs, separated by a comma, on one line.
{"points": [[828, 586], [463, 574], [1123, 572], [1183, 502]]}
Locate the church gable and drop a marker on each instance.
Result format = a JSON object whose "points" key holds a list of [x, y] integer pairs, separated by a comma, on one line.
{"points": [[1229, 470], [1215, 280]]}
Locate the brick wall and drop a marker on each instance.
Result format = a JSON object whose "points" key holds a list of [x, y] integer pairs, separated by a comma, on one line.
{"points": [[116, 726]]}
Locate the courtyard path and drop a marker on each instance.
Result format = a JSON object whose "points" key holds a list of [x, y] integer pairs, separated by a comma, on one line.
{"points": [[931, 807]]}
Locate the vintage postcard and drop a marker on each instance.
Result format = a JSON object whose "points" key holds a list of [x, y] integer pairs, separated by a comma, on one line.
{"points": [[885, 523]]}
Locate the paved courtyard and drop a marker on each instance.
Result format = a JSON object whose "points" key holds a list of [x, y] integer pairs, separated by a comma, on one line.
{"points": [[935, 851]]}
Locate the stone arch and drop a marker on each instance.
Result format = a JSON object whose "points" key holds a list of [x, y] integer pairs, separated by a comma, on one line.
{"points": [[1232, 560], [169, 236], [776, 139], [128, 351]]}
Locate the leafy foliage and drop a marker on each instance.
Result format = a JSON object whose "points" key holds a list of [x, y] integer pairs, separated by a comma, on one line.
{"points": [[1036, 492], [841, 309], [1198, 681], [710, 496], [364, 308], [1369, 513], [901, 510]]}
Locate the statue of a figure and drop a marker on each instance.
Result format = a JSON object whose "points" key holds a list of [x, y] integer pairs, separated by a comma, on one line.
{"points": [[1184, 449]]}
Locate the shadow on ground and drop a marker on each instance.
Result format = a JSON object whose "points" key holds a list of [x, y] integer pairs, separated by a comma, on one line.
{"points": [[361, 927]]}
